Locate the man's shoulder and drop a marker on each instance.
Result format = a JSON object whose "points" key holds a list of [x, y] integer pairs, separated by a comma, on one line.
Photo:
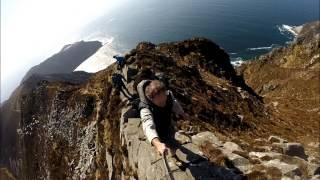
{"points": [[144, 106], [145, 111]]}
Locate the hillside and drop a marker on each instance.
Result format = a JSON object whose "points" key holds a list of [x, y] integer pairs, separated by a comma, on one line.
{"points": [[288, 80]]}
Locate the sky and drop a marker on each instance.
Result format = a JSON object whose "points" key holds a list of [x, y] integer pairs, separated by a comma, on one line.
{"points": [[32, 30]]}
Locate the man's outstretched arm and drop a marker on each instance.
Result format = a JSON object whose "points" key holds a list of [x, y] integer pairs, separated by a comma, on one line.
{"points": [[149, 130]]}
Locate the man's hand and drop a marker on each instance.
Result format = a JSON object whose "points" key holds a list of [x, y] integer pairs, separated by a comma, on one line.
{"points": [[161, 147]]}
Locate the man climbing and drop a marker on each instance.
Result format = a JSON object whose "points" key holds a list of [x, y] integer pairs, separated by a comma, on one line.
{"points": [[156, 106], [120, 61], [118, 84]]}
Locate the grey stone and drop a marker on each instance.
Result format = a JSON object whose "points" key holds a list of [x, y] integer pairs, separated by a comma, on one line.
{"points": [[182, 139], [291, 178], [295, 149], [206, 137], [313, 169], [286, 169], [260, 140], [231, 146], [261, 155], [239, 162], [193, 154], [276, 139], [280, 145]]}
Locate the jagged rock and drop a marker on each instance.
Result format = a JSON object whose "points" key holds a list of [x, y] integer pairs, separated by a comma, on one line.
{"points": [[295, 149], [147, 164], [231, 146], [239, 162], [206, 137], [264, 148], [313, 169], [277, 147], [145, 46], [265, 155], [181, 138], [286, 169], [291, 178], [189, 154], [201, 171], [276, 139]]}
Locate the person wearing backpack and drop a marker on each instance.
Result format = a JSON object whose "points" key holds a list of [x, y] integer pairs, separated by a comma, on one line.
{"points": [[156, 107], [118, 83]]}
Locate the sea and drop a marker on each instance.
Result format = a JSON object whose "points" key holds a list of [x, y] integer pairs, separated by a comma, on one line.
{"points": [[243, 28]]}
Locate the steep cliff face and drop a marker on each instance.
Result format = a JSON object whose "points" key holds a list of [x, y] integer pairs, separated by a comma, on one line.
{"points": [[12, 112], [75, 128], [58, 67]]}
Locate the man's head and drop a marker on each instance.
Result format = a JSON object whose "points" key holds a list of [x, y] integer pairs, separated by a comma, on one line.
{"points": [[156, 93]]}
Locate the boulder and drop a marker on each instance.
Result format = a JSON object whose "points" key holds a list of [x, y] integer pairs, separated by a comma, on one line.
{"points": [[313, 169], [277, 147], [182, 138], [239, 162], [206, 137], [189, 153], [286, 169], [276, 139], [231, 146], [295, 149], [265, 155]]}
